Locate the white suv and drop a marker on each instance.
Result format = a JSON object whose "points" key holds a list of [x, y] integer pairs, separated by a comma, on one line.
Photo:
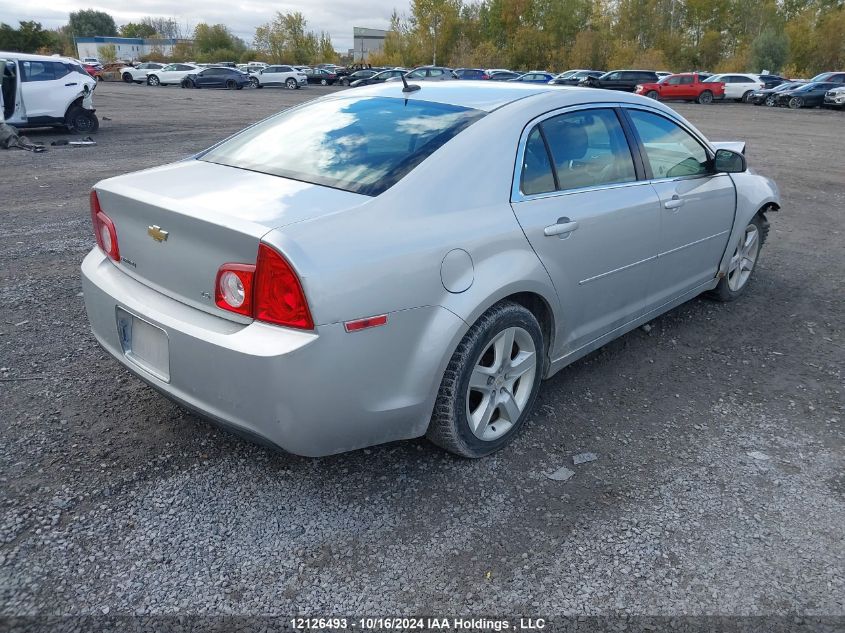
{"points": [[138, 74], [738, 86], [42, 91]]}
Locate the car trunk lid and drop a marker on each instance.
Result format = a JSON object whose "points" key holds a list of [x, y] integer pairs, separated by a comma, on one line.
{"points": [[177, 224]]}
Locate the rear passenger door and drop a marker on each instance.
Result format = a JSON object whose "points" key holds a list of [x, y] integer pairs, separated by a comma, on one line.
{"points": [[592, 223], [43, 88], [697, 205]]}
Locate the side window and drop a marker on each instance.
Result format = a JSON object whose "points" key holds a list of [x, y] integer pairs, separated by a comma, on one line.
{"points": [[536, 169], [614, 77], [674, 81], [37, 71], [589, 149], [686, 79], [435, 72], [670, 150], [285, 69], [61, 69]]}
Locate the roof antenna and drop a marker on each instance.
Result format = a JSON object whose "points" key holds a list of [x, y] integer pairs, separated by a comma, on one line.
{"points": [[408, 87]]}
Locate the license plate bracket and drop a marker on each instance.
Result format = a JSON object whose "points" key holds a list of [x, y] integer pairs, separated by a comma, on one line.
{"points": [[144, 344]]}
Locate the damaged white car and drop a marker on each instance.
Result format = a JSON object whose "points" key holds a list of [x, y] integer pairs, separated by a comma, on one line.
{"points": [[44, 91]]}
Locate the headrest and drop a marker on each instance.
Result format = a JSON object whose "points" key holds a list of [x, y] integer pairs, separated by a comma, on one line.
{"points": [[568, 141]]}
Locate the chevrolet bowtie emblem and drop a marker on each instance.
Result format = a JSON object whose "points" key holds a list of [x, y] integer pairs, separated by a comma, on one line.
{"points": [[156, 233]]}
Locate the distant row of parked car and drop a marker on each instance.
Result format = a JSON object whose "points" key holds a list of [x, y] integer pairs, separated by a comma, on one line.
{"points": [[825, 89]]}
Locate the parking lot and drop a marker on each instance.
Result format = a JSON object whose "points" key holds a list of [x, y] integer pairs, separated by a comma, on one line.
{"points": [[718, 488]]}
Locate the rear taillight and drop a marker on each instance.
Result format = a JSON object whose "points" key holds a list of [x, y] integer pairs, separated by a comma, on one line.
{"points": [[269, 291], [233, 288], [104, 231], [278, 297]]}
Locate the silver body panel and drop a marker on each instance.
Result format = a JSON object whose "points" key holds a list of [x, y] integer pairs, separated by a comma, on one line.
{"points": [[326, 390]]}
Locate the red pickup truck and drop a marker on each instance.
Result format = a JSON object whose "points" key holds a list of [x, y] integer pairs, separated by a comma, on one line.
{"points": [[685, 86]]}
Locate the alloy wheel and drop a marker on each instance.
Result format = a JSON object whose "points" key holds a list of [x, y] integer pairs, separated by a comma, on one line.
{"points": [[744, 257], [770, 101], [796, 102], [501, 383], [291, 84], [153, 80]]}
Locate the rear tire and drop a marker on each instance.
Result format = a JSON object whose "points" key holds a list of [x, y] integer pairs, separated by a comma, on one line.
{"points": [[746, 96], [487, 391], [324, 82], [746, 254], [127, 78], [705, 98], [230, 84]]}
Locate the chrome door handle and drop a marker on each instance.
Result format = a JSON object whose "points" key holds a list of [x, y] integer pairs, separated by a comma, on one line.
{"points": [[564, 227], [674, 203]]}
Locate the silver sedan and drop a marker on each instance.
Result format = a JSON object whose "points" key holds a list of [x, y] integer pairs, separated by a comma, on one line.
{"points": [[402, 261]]}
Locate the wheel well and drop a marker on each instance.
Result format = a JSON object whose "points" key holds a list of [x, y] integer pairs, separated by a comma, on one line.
{"points": [[544, 315]]}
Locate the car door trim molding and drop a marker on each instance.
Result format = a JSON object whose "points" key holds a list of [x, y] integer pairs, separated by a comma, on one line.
{"points": [[703, 239], [618, 270]]}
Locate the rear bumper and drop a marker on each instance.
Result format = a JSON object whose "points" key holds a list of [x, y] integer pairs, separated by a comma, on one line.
{"points": [[310, 393]]}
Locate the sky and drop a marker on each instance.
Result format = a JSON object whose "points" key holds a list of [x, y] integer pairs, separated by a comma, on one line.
{"points": [[337, 17]]}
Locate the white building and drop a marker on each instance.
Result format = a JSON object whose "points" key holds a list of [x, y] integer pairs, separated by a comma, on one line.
{"points": [[366, 41], [127, 48]]}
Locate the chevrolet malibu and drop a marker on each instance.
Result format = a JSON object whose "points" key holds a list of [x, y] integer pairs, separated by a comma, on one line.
{"points": [[316, 282]]}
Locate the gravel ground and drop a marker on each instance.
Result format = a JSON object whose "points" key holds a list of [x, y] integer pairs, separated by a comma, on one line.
{"points": [[718, 487]]}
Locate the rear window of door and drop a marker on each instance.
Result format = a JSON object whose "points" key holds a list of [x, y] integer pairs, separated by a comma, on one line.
{"points": [[284, 69], [588, 149], [670, 150]]}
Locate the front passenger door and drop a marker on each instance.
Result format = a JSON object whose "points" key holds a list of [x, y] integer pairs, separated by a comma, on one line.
{"points": [[592, 223], [697, 205]]}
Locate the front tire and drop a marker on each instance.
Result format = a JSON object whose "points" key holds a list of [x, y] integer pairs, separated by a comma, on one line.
{"points": [[490, 384], [82, 121], [152, 80], [291, 84], [796, 103], [253, 81], [771, 100], [746, 252], [652, 94]]}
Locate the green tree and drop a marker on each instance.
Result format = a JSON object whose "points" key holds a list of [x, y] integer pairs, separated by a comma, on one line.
{"points": [[90, 22], [285, 39], [107, 53], [326, 52], [769, 50], [131, 29], [28, 38]]}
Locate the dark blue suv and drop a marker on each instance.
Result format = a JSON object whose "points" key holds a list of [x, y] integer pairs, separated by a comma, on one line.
{"points": [[217, 77]]}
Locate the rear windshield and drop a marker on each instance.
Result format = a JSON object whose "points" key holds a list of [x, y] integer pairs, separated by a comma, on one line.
{"points": [[364, 145]]}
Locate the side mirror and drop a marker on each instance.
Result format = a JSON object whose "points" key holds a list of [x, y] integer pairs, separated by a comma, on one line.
{"points": [[729, 162]]}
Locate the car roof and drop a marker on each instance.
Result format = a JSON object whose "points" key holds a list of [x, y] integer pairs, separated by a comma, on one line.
{"points": [[489, 96], [35, 58]]}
